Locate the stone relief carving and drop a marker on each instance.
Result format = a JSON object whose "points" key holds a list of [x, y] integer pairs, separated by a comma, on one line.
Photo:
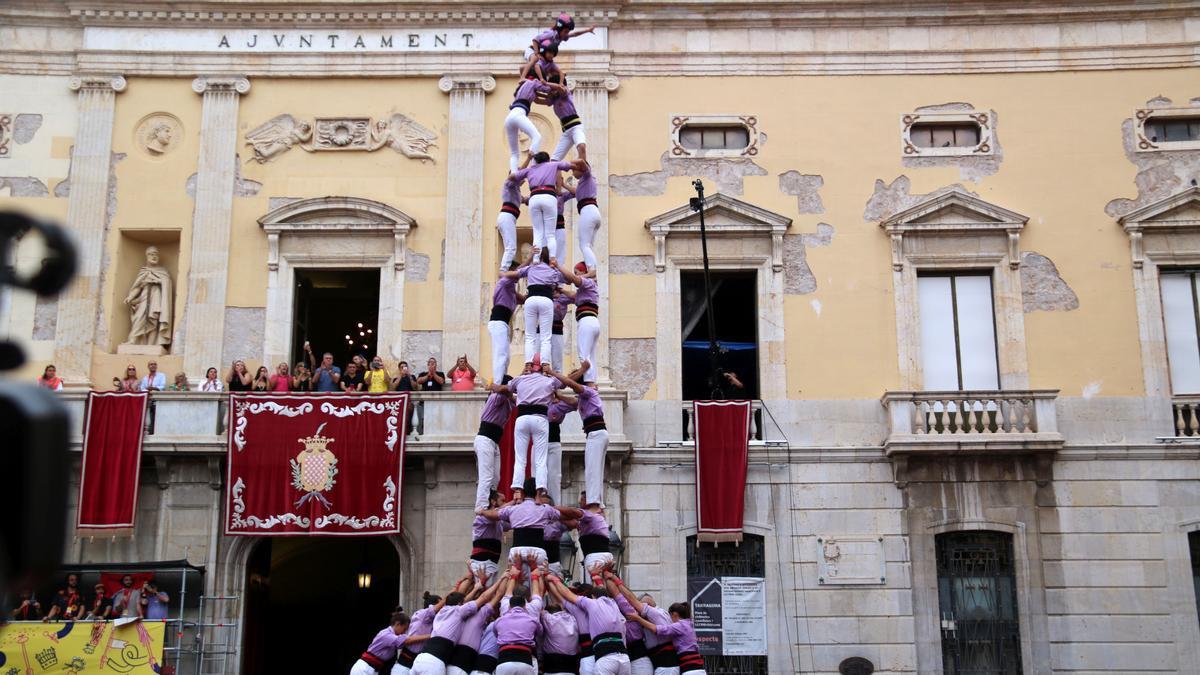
{"points": [[158, 134], [150, 300], [5, 134], [283, 132]]}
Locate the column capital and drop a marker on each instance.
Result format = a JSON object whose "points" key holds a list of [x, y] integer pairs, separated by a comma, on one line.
{"points": [[221, 83], [606, 81], [460, 82], [97, 81]]}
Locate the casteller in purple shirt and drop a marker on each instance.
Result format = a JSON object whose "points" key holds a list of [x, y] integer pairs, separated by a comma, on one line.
{"points": [[542, 175], [682, 635], [505, 293], [541, 274]]}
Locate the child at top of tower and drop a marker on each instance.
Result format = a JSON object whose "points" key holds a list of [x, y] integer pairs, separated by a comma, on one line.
{"points": [[562, 30]]}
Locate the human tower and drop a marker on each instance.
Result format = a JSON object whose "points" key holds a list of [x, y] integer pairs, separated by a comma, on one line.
{"points": [[525, 619]]}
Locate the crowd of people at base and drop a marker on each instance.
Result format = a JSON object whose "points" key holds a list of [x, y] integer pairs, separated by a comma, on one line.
{"points": [[69, 603]]}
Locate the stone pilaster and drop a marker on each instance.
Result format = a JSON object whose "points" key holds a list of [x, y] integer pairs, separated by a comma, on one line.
{"points": [[211, 221], [87, 218], [591, 101], [462, 276]]}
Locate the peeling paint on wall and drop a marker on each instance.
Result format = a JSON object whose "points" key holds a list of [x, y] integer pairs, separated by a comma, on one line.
{"points": [[110, 212], [805, 188], [970, 168], [419, 345], [798, 278], [416, 266], [1160, 174], [276, 202], [242, 187], [45, 318], [25, 126], [26, 186], [727, 174], [245, 335], [631, 264], [890, 199], [630, 359], [1042, 287]]}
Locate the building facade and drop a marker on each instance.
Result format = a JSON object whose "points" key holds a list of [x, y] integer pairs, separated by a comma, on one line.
{"points": [[954, 246]]}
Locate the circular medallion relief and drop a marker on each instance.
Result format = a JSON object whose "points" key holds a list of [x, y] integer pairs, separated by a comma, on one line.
{"points": [[158, 134]]}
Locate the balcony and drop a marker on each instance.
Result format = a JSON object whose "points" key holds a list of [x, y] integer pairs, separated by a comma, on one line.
{"points": [[1185, 410], [446, 422], [971, 423]]}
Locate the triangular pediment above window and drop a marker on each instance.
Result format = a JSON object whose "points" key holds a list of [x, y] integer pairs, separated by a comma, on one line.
{"points": [[1175, 212], [953, 209], [724, 216]]}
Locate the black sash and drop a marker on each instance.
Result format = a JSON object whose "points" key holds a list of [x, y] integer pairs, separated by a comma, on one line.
{"points": [[570, 121], [542, 190], [559, 663], [518, 103], [463, 657], [637, 649], [553, 555], [585, 645], [439, 647], [373, 661], [485, 663], [586, 201], [690, 661], [560, 224], [509, 207], [541, 290], [531, 409], [594, 423], [516, 654], [491, 430], [555, 432], [608, 643], [406, 657], [662, 655], [500, 313], [586, 310], [556, 327], [529, 536], [485, 550], [593, 543]]}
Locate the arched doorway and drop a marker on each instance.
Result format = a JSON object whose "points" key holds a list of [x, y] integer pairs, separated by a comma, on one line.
{"points": [[304, 609]]}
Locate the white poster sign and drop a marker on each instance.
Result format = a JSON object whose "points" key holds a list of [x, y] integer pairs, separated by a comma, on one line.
{"points": [[744, 615]]}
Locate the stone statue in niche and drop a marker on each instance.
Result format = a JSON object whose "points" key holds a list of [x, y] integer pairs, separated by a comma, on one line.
{"points": [[149, 301], [404, 135], [277, 135]]}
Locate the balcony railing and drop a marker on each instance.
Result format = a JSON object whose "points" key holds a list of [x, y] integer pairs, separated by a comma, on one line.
{"points": [[1186, 413], [763, 430], [971, 422]]}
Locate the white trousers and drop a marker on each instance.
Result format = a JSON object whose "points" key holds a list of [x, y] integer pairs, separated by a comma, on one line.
{"points": [[506, 223], [587, 332], [516, 121], [499, 332], [594, 450], [603, 560], [554, 470], [641, 666], [667, 671], [515, 668], [487, 464], [612, 664], [428, 664], [361, 667], [585, 227], [543, 213], [560, 240], [487, 567], [530, 427], [455, 670], [398, 669], [539, 319], [587, 665], [556, 350], [570, 138]]}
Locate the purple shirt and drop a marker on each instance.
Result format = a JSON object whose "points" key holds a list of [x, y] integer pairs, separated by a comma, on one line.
{"points": [[511, 192], [633, 629], [590, 404], [564, 197], [585, 187], [497, 409], [560, 635], [483, 528], [534, 389], [449, 622], [581, 617], [386, 643], [558, 411], [541, 274], [564, 105], [586, 292], [505, 293], [603, 616], [682, 635], [554, 531], [561, 302], [420, 624], [528, 91], [592, 523], [519, 625], [472, 628], [529, 513], [487, 644], [548, 34], [542, 175], [659, 617]]}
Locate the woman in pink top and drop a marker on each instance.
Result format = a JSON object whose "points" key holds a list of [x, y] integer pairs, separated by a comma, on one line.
{"points": [[281, 380], [50, 379], [462, 378]]}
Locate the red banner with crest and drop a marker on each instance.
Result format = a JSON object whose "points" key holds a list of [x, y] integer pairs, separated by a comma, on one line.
{"points": [[315, 464]]}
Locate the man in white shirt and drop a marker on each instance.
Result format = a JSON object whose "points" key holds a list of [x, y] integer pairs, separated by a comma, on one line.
{"points": [[154, 380]]}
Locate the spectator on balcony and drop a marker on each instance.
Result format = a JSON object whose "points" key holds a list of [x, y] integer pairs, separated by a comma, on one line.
{"points": [[131, 381], [326, 376], [211, 383], [67, 604], [101, 607], [180, 383], [301, 378], [462, 378], [377, 380], [154, 380], [262, 379], [153, 602], [352, 381], [432, 379], [50, 379], [28, 608], [238, 378], [406, 381], [127, 600], [281, 380], [731, 386]]}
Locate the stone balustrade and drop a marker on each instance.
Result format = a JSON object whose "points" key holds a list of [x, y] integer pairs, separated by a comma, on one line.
{"points": [[688, 421], [1185, 410]]}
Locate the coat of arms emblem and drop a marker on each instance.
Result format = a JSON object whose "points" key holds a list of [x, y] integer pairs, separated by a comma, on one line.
{"points": [[314, 469]]}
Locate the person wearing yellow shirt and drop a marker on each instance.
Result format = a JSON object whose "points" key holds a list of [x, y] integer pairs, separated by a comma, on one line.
{"points": [[377, 379]]}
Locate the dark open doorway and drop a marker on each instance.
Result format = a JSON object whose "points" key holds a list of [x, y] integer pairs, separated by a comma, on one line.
{"points": [[305, 612], [336, 311], [734, 298]]}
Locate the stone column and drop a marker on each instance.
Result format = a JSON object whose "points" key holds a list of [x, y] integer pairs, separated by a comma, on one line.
{"points": [[216, 170], [87, 218], [462, 313], [591, 101]]}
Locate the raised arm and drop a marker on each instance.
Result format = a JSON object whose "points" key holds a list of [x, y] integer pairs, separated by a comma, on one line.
{"points": [[562, 591], [653, 628], [615, 585], [567, 382], [569, 274]]}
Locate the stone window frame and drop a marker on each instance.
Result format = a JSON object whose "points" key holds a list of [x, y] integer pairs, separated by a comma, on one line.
{"points": [[986, 146], [1142, 143], [735, 222], [1156, 240], [1185, 619], [349, 217], [681, 120], [987, 240]]}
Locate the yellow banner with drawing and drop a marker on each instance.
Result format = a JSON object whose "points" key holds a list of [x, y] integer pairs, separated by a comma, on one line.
{"points": [[134, 648]]}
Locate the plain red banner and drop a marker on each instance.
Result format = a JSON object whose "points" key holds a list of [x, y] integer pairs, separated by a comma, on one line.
{"points": [[112, 461], [508, 459], [722, 446], [317, 464]]}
